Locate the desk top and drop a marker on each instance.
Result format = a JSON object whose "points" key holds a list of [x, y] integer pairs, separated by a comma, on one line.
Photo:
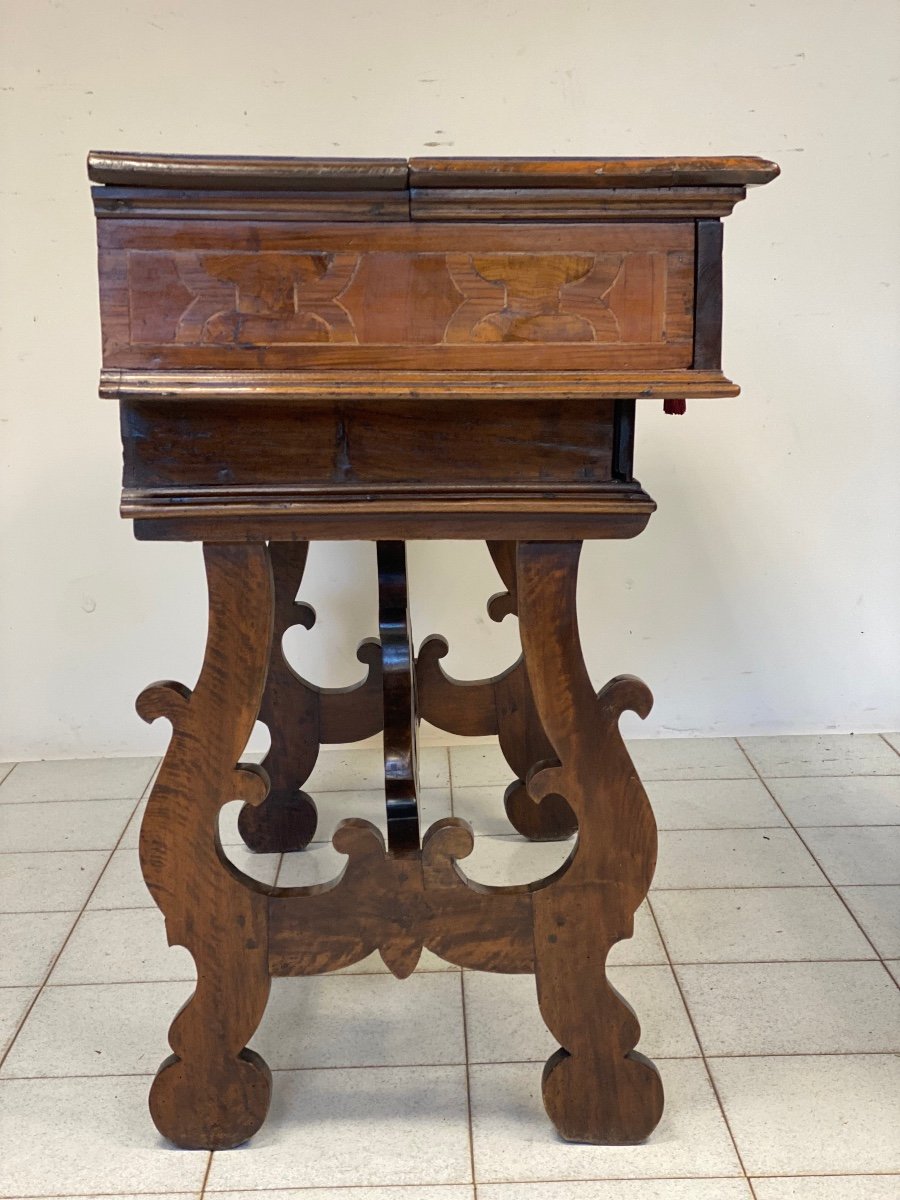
{"points": [[397, 348]]}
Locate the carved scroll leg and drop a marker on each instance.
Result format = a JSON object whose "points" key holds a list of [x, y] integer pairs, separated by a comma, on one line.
{"points": [[212, 1092], [286, 820], [596, 1087], [521, 733]]}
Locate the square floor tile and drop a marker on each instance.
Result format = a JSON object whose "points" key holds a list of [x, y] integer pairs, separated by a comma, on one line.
{"points": [[30, 945], [513, 859], [848, 856], [374, 1126], [97, 1029], [712, 804], [349, 769], [504, 1022], [363, 1021], [878, 911], [78, 779], [829, 1187], [52, 882], [70, 825], [479, 765], [837, 754], [86, 1136], [893, 739], [460, 1191], [620, 1189], [122, 884], [5, 769], [757, 925], [333, 807], [799, 1115], [732, 858], [514, 1140], [14, 1002], [792, 1008], [122, 946], [894, 968], [852, 800], [689, 758], [482, 806]]}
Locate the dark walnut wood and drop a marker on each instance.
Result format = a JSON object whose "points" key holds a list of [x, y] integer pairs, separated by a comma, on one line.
{"points": [[388, 349]]}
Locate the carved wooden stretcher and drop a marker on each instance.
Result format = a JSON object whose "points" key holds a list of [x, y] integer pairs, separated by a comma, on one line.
{"points": [[386, 350]]}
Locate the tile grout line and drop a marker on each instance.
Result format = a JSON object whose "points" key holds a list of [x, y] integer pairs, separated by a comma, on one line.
{"points": [[815, 859], [465, 1033], [66, 940], [883, 737], [706, 1067], [209, 1163]]}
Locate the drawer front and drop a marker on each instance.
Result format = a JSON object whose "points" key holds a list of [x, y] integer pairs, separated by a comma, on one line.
{"points": [[206, 294]]}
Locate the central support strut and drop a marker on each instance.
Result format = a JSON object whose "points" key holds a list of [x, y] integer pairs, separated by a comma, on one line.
{"points": [[398, 673]]}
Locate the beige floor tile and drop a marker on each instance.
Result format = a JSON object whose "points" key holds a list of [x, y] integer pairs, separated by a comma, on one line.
{"points": [[97, 1029], [854, 800], [333, 807], [712, 804], [482, 806], [14, 1002], [894, 967], [829, 1114], [122, 885], [620, 1189], [733, 858], [122, 946], [373, 1126], [857, 856], [513, 859], [30, 945], [5, 769], [352, 769], [87, 1136], [479, 765], [837, 754], [50, 882], [513, 1139], [689, 758], [757, 925], [70, 825], [416, 1192], [363, 1021], [878, 911], [893, 739], [833, 1187], [78, 779], [792, 1008], [504, 1023]]}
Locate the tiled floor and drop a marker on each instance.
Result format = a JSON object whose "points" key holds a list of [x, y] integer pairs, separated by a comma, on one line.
{"points": [[764, 969]]}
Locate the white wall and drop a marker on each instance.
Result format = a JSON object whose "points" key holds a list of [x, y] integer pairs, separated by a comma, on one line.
{"points": [[765, 594]]}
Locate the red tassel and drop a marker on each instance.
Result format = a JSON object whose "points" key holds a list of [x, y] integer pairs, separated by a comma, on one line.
{"points": [[675, 408]]}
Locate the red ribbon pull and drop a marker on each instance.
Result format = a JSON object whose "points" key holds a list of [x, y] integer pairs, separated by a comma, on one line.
{"points": [[675, 408]]}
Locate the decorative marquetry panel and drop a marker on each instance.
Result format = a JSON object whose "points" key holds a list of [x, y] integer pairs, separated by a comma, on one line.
{"points": [[434, 296]]}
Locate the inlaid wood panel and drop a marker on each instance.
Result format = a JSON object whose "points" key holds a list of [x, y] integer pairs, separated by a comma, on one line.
{"points": [[206, 294]]}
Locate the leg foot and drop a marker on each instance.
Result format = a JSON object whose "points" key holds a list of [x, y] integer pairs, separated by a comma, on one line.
{"points": [[552, 820], [214, 1109], [285, 821]]}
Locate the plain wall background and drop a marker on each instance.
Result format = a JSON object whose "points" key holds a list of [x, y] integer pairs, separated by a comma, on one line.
{"points": [[764, 595]]}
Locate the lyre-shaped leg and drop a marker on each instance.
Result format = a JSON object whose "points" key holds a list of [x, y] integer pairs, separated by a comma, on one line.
{"points": [[596, 1087], [212, 1092]]}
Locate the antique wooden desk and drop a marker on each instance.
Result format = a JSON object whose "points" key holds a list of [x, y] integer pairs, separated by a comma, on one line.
{"points": [[382, 349]]}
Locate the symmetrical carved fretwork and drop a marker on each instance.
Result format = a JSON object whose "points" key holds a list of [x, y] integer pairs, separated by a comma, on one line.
{"points": [[592, 902], [301, 717], [213, 1092]]}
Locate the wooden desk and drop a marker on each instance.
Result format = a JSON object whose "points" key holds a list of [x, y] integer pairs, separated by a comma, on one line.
{"points": [[385, 350]]}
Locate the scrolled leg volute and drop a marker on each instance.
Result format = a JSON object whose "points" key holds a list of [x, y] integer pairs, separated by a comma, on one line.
{"points": [[213, 1092], [596, 1087]]}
